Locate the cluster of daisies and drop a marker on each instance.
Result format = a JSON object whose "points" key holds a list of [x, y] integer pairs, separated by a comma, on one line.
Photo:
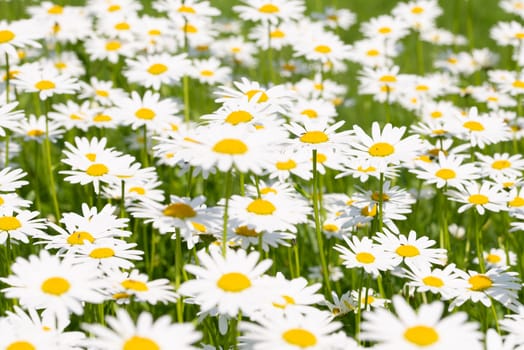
{"points": [[194, 198]]}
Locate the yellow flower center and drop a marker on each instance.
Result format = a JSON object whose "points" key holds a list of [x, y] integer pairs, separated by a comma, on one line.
{"points": [[207, 73], [230, 146], [287, 165], [381, 149], [91, 156], [9, 223], [102, 93], [501, 164], [186, 9], [369, 300], [436, 114], [135, 285], [113, 8], [78, 238], [518, 84], [234, 282], [55, 10], [157, 68], [268, 8], [417, 10], [97, 170], [102, 118], [365, 258], [287, 301], [113, 45], [473, 125], [366, 170], [330, 228], [438, 132], [179, 210], [314, 137], [154, 32], [261, 207], [102, 253], [238, 117], [516, 202], [519, 35], [480, 283], [262, 98], [189, 28], [6, 36], [199, 227], [246, 231], [323, 49], [145, 113], [433, 281], [376, 196], [421, 335], [407, 251], [422, 88], [311, 113], [493, 258], [60, 65], [55, 286], [35, 133], [446, 174], [20, 345], [122, 26], [493, 99], [140, 343], [452, 60], [45, 85], [138, 190], [277, 34], [366, 211], [388, 79], [299, 337], [384, 30], [373, 52], [478, 199]]}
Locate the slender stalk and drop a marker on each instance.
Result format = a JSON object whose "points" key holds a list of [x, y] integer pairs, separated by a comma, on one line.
{"points": [[122, 199], [178, 273], [7, 85], [381, 203], [320, 239], [478, 241], [359, 309], [47, 146], [227, 193]]}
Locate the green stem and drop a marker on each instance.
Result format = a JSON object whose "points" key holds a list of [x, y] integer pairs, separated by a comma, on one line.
{"points": [[47, 146], [478, 241], [227, 193], [178, 273], [7, 85], [318, 231], [358, 311], [381, 203], [122, 199]]}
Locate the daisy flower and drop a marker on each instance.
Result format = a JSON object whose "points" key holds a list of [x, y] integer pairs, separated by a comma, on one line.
{"points": [[364, 253], [318, 135], [384, 147], [9, 118], [17, 34], [126, 286], [181, 9], [209, 71], [419, 14], [447, 281], [100, 91], [287, 161], [60, 287], [154, 70], [448, 171], [34, 129], [231, 283], [341, 305], [16, 335], [410, 249], [147, 110], [384, 83], [292, 331], [100, 48], [385, 28], [480, 196], [106, 254], [12, 201], [71, 115], [500, 164], [269, 213], [322, 47], [497, 257], [246, 236], [426, 328], [20, 225], [496, 284], [513, 325], [270, 11], [33, 78], [146, 333], [368, 298], [240, 112], [279, 97]]}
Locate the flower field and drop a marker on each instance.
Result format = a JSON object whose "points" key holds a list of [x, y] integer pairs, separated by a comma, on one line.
{"points": [[261, 174]]}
